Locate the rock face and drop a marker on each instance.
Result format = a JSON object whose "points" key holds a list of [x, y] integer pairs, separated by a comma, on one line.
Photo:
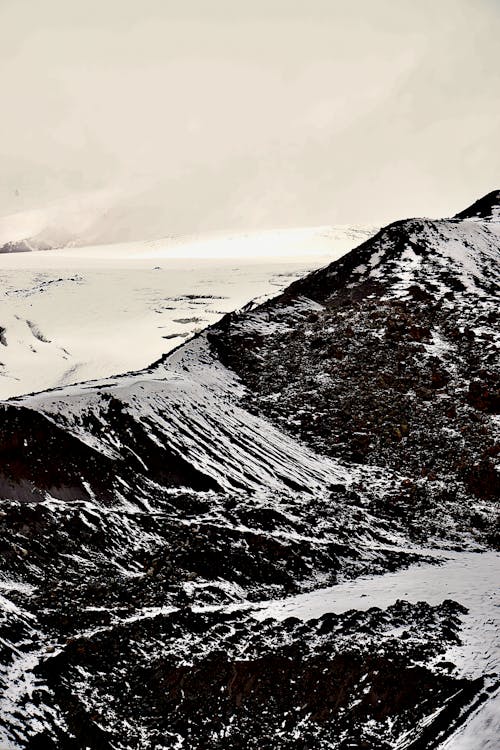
{"points": [[388, 357], [344, 431]]}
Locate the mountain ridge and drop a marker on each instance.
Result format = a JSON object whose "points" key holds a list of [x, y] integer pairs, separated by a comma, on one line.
{"points": [[487, 207]]}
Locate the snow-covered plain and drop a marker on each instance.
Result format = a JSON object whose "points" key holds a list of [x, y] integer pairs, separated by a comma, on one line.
{"points": [[78, 313]]}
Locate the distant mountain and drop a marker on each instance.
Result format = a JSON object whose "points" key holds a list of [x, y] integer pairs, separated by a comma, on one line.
{"points": [[107, 218], [16, 247], [343, 236], [61, 224], [220, 551]]}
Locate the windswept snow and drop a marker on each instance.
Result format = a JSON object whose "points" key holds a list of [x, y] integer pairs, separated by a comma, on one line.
{"points": [[188, 404]]}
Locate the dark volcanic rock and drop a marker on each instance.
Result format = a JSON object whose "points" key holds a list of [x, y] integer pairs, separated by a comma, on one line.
{"points": [[388, 356]]}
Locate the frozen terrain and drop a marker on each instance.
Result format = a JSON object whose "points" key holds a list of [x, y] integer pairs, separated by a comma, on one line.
{"points": [[471, 579], [282, 535], [79, 313]]}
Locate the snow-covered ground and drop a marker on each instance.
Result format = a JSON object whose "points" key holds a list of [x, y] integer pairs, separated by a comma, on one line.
{"points": [[75, 314], [468, 578]]}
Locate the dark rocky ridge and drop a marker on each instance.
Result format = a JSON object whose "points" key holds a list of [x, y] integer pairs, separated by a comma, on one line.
{"points": [[397, 367], [141, 517], [32, 244], [487, 207]]}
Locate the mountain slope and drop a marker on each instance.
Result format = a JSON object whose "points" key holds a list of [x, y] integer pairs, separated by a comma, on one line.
{"points": [[398, 365], [486, 208], [187, 550]]}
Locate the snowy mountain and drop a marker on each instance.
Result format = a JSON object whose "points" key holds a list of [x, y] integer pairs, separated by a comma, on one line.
{"points": [[280, 535]]}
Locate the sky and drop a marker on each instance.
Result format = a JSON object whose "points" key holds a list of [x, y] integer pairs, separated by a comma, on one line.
{"points": [[151, 117]]}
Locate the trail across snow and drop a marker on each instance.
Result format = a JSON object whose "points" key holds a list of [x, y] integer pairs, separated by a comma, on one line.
{"points": [[469, 578], [472, 579]]}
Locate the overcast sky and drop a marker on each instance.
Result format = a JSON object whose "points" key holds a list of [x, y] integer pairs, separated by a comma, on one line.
{"points": [[220, 114]]}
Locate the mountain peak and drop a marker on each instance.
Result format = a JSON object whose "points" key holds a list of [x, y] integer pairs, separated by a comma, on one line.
{"points": [[486, 208]]}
